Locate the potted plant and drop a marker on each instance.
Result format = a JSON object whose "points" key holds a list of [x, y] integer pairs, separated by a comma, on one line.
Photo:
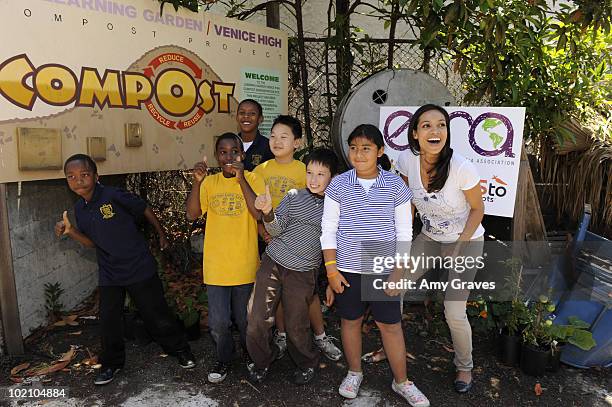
{"points": [[511, 316], [542, 340]]}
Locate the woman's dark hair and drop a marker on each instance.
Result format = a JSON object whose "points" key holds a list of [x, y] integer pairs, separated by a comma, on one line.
{"points": [[91, 164], [441, 168], [371, 133], [384, 162], [290, 121], [325, 157], [252, 101], [229, 136]]}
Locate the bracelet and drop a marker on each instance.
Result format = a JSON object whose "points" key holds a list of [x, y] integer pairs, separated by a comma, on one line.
{"points": [[327, 263], [333, 275]]}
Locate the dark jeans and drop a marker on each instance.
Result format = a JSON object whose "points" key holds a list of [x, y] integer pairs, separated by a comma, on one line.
{"points": [[227, 303], [148, 295], [274, 284]]}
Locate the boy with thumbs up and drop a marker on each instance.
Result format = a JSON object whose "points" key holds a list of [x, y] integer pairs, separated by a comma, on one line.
{"points": [[106, 219], [289, 269], [282, 174], [230, 244]]}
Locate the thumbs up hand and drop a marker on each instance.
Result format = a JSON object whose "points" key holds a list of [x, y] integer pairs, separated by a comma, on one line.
{"points": [[200, 170], [263, 202], [238, 167], [64, 226]]}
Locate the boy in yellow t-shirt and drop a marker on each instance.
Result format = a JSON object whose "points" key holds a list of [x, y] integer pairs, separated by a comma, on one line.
{"points": [[230, 218], [282, 174]]}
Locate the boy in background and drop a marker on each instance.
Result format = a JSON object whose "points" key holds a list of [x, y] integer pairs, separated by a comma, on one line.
{"points": [[256, 147]]}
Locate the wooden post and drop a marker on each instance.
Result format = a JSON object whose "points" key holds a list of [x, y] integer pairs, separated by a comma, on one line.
{"points": [[8, 293], [528, 223], [273, 15]]}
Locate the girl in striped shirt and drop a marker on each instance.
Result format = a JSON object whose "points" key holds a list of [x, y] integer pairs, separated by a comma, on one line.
{"points": [[366, 212]]}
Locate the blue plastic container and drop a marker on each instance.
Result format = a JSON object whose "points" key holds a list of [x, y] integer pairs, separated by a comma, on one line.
{"points": [[590, 299]]}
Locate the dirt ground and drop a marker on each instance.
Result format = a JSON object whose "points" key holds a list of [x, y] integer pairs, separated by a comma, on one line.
{"points": [[151, 379]]}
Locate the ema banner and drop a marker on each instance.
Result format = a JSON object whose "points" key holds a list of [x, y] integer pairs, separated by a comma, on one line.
{"points": [[491, 137], [135, 89]]}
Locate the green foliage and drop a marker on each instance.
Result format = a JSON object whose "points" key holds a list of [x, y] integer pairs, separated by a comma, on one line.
{"points": [[541, 332], [188, 313], [480, 315], [193, 5], [53, 305], [522, 53], [512, 315]]}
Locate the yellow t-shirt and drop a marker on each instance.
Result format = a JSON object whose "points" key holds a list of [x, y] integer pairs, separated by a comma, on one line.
{"points": [[282, 177], [230, 238]]}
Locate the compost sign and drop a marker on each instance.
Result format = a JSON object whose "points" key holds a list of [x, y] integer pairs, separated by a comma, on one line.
{"points": [[491, 137], [76, 75]]}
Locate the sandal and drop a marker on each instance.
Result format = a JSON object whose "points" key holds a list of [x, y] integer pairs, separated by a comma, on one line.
{"points": [[374, 357]]}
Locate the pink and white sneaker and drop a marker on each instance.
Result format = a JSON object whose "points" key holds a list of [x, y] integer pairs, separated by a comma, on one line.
{"points": [[411, 393], [350, 385]]}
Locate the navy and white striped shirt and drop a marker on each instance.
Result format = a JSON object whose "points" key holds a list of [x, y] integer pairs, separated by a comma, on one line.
{"points": [[366, 223], [296, 230]]}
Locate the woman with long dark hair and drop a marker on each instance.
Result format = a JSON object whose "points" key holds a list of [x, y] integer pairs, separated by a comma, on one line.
{"points": [[448, 199]]}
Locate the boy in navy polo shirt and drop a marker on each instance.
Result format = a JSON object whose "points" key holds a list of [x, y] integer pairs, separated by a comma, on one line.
{"points": [[256, 146], [106, 219]]}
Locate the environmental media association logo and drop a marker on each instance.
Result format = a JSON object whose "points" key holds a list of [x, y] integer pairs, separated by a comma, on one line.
{"points": [[493, 189], [491, 134]]}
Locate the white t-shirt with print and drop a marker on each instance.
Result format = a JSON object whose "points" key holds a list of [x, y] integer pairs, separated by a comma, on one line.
{"points": [[443, 213]]}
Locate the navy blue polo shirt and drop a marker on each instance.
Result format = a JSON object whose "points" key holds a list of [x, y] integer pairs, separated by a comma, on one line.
{"points": [[258, 153], [109, 220]]}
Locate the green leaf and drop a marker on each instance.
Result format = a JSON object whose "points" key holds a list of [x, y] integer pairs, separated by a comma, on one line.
{"points": [[387, 24], [600, 68], [583, 339], [578, 323]]}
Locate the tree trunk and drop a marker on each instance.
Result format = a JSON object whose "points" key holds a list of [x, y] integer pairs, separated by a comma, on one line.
{"points": [[303, 70], [391, 45], [343, 51]]}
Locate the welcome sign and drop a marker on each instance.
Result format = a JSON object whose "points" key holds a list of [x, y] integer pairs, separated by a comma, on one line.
{"points": [[491, 137], [143, 91]]}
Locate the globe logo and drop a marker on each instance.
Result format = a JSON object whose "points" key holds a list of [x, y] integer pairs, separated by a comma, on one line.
{"points": [[491, 127]]}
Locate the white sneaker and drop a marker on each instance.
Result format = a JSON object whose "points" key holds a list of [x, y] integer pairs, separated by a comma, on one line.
{"points": [[328, 348], [411, 393], [350, 385]]}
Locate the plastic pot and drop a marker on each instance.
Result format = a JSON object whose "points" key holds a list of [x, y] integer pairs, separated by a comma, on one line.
{"points": [[554, 360], [534, 361], [509, 349]]}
